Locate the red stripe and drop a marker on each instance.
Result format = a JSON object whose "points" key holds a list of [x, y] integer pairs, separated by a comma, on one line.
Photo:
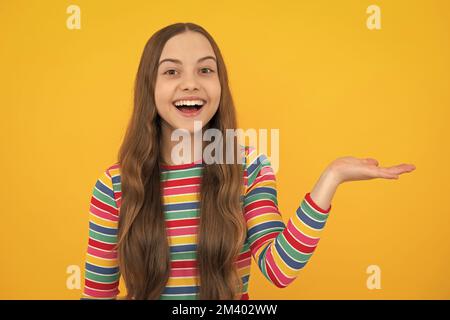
{"points": [[297, 245], [104, 206], [179, 166], [244, 256], [182, 223], [101, 286], [181, 182], [101, 245], [183, 264], [271, 275], [314, 205], [245, 296], [260, 203], [260, 241]]}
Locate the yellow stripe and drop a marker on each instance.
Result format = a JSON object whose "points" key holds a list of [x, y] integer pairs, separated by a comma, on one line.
{"points": [[114, 172], [176, 281], [103, 222], [183, 239], [106, 180], [266, 183], [261, 248], [270, 216], [181, 198], [244, 271], [101, 261], [287, 271], [304, 228]]}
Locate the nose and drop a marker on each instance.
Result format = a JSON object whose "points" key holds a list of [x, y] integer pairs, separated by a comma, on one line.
{"points": [[189, 83]]}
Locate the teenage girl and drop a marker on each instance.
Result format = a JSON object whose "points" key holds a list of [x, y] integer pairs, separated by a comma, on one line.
{"points": [[190, 230]]}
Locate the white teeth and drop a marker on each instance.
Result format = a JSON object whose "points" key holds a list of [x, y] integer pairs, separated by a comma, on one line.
{"points": [[188, 102]]}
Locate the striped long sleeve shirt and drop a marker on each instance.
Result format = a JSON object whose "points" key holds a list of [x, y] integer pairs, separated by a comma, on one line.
{"points": [[280, 251]]}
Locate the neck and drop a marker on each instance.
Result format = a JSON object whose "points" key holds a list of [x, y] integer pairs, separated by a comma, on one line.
{"points": [[167, 146]]}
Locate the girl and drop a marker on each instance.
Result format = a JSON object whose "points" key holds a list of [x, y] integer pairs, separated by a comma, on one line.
{"points": [[188, 231]]}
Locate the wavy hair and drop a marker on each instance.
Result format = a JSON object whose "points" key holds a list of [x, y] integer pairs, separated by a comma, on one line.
{"points": [[143, 248]]}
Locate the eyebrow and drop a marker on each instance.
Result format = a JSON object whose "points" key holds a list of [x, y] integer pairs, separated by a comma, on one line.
{"points": [[179, 62]]}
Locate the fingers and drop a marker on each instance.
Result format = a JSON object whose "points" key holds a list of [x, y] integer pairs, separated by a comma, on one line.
{"points": [[371, 161], [387, 173]]}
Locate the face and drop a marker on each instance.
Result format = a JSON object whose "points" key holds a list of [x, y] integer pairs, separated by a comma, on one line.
{"points": [[187, 85]]}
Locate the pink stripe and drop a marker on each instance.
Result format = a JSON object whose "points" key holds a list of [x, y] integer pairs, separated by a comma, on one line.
{"points": [[102, 254], [265, 170], [101, 294], [182, 231], [258, 211], [301, 236], [103, 214], [244, 263], [181, 190], [275, 269], [187, 272]]}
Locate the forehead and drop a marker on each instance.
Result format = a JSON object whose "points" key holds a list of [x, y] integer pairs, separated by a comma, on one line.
{"points": [[188, 47]]}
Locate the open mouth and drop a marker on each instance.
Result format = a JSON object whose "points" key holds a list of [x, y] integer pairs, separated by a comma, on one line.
{"points": [[189, 107]]}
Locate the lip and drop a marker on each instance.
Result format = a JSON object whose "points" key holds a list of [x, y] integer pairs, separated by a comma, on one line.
{"points": [[189, 98], [191, 114]]}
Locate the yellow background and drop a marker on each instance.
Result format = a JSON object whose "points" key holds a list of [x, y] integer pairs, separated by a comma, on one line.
{"points": [[309, 68]]}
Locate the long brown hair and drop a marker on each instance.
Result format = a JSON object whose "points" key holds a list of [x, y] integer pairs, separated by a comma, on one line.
{"points": [[143, 249]]}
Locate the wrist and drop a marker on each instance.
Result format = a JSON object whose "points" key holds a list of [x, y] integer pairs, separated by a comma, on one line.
{"points": [[331, 175]]}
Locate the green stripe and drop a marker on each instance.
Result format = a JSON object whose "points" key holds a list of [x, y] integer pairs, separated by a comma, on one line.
{"points": [[253, 175], [292, 252], [102, 237], [171, 215], [261, 233], [117, 187], [188, 173], [104, 198], [191, 255], [313, 214], [259, 196], [102, 278]]}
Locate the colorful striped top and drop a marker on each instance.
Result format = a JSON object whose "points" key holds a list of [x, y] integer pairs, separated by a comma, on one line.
{"points": [[280, 251]]}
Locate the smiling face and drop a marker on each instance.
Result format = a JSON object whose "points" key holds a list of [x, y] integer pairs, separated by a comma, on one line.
{"points": [[187, 84]]}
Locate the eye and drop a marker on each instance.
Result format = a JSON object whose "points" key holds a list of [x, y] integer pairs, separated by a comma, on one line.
{"points": [[206, 70], [170, 72]]}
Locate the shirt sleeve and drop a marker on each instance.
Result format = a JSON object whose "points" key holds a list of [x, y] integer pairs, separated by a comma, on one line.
{"points": [[279, 251], [101, 265]]}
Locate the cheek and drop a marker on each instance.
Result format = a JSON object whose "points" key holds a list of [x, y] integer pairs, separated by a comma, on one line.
{"points": [[162, 95], [214, 91]]}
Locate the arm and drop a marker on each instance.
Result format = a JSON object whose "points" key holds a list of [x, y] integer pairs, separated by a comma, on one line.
{"points": [[325, 188], [279, 251], [101, 266]]}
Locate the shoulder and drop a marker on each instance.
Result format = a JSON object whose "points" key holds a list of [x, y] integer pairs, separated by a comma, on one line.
{"points": [[109, 182], [255, 164], [113, 171]]}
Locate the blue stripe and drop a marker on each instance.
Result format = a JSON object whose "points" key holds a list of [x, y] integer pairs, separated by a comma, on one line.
{"points": [[180, 290], [306, 219], [182, 248], [251, 168], [265, 226], [96, 227], [262, 190], [289, 261], [101, 270], [116, 179], [182, 206], [100, 186]]}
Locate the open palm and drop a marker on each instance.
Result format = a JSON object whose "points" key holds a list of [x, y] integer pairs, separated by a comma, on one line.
{"points": [[351, 168]]}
